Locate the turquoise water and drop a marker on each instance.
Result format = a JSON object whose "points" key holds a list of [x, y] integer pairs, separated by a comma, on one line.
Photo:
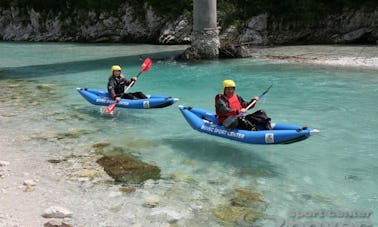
{"points": [[335, 170]]}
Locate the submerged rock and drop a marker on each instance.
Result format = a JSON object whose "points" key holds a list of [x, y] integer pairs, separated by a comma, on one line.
{"points": [[247, 198], [232, 215], [124, 168], [101, 145]]}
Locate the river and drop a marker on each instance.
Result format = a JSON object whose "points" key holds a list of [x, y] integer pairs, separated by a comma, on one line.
{"points": [[333, 172]]}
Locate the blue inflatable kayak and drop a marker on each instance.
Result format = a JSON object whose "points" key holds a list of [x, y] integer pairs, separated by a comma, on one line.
{"points": [[101, 98], [207, 122]]}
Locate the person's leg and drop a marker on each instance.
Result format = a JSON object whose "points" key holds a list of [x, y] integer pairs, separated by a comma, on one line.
{"points": [[244, 124], [128, 96], [139, 95], [259, 119]]}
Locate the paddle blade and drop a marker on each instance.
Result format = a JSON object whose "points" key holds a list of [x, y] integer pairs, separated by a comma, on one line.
{"points": [[146, 65], [110, 108]]}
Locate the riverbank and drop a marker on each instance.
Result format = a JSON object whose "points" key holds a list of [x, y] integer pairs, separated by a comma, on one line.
{"points": [[331, 55]]}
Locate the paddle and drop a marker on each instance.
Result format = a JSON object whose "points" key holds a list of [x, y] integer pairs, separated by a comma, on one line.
{"points": [[145, 67], [232, 121]]}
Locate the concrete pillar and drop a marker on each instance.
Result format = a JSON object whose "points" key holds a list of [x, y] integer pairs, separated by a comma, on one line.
{"points": [[205, 39]]}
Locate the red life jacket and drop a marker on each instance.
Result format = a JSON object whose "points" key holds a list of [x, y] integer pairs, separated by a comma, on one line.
{"points": [[232, 102]]}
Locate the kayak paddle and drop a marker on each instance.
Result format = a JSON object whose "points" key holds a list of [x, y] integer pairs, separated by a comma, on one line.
{"points": [[232, 121], [145, 67]]}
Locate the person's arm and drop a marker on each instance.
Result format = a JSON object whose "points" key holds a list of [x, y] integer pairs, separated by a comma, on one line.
{"points": [[111, 86], [128, 82], [252, 100]]}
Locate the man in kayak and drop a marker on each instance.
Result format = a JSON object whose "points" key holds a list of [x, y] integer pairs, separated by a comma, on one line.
{"points": [[231, 107], [117, 83]]}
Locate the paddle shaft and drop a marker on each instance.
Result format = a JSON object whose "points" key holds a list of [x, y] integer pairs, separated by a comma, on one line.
{"points": [[132, 82], [260, 96]]}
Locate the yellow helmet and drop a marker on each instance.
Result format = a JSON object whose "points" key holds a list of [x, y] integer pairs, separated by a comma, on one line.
{"points": [[228, 83], [116, 68]]}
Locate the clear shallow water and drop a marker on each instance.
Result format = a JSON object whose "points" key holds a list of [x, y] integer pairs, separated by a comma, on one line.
{"points": [[334, 170]]}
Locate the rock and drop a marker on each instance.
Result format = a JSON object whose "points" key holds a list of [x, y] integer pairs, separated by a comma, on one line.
{"points": [[55, 161], [44, 87], [248, 198], [56, 212], [148, 184], [4, 163], [124, 168], [234, 215], [176, 32], [88, 173], [28, 188], [165, 215], [127, 189], [30, 183], [183, 177], [218, 181], [101, 145], [56, 223], [151, 201]]}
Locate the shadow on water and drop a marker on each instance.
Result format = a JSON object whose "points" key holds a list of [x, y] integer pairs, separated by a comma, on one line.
{"points": [[80, 66], [246, 161]]}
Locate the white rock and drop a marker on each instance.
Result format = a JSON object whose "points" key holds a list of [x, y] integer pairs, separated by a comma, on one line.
{"points": [[165, 215], [30, 182], [151, 201], [56, 212], [148, 184], [113, 194], [4, 163]]}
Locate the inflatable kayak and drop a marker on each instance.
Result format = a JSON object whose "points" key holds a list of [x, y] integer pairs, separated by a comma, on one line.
{"points": [[207, 122], [102, 98]]}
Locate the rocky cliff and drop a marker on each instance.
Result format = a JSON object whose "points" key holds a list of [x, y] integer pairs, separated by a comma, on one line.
{"points": [[126, 25]]}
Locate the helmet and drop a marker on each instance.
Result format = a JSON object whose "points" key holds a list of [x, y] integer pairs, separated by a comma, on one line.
{"points": [[228, 83], [116, 68]]}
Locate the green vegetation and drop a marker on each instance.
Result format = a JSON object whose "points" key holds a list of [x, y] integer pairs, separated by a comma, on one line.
{"points": [[234, 10], [288, 10]]}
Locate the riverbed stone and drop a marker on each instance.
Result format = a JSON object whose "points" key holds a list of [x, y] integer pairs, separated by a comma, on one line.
{"points": [[246, 197], [127, 169], [165, 215], [151, 201], [56, 212], [56, 223], [30, 182], [235, 215], [4, 163]]}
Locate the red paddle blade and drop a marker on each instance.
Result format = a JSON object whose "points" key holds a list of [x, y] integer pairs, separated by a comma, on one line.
{"points": [[110, 108], [146, 65]]}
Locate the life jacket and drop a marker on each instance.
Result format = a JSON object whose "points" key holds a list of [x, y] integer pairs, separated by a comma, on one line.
{"points": [[232, 102]]}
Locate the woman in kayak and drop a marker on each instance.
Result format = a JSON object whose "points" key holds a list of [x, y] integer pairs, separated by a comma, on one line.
{"points": [[229, 105], [117, 83]]}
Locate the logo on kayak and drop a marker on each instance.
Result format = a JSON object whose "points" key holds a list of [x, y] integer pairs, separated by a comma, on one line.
{"points": [[269, 138], [146, 104], [109, 101], [219, 131]]}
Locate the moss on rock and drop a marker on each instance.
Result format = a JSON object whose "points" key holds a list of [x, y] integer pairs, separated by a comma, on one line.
{"points": [[124, 168]]}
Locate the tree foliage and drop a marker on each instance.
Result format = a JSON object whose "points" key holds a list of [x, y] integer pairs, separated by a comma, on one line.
{"points": [[233, 10]]}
